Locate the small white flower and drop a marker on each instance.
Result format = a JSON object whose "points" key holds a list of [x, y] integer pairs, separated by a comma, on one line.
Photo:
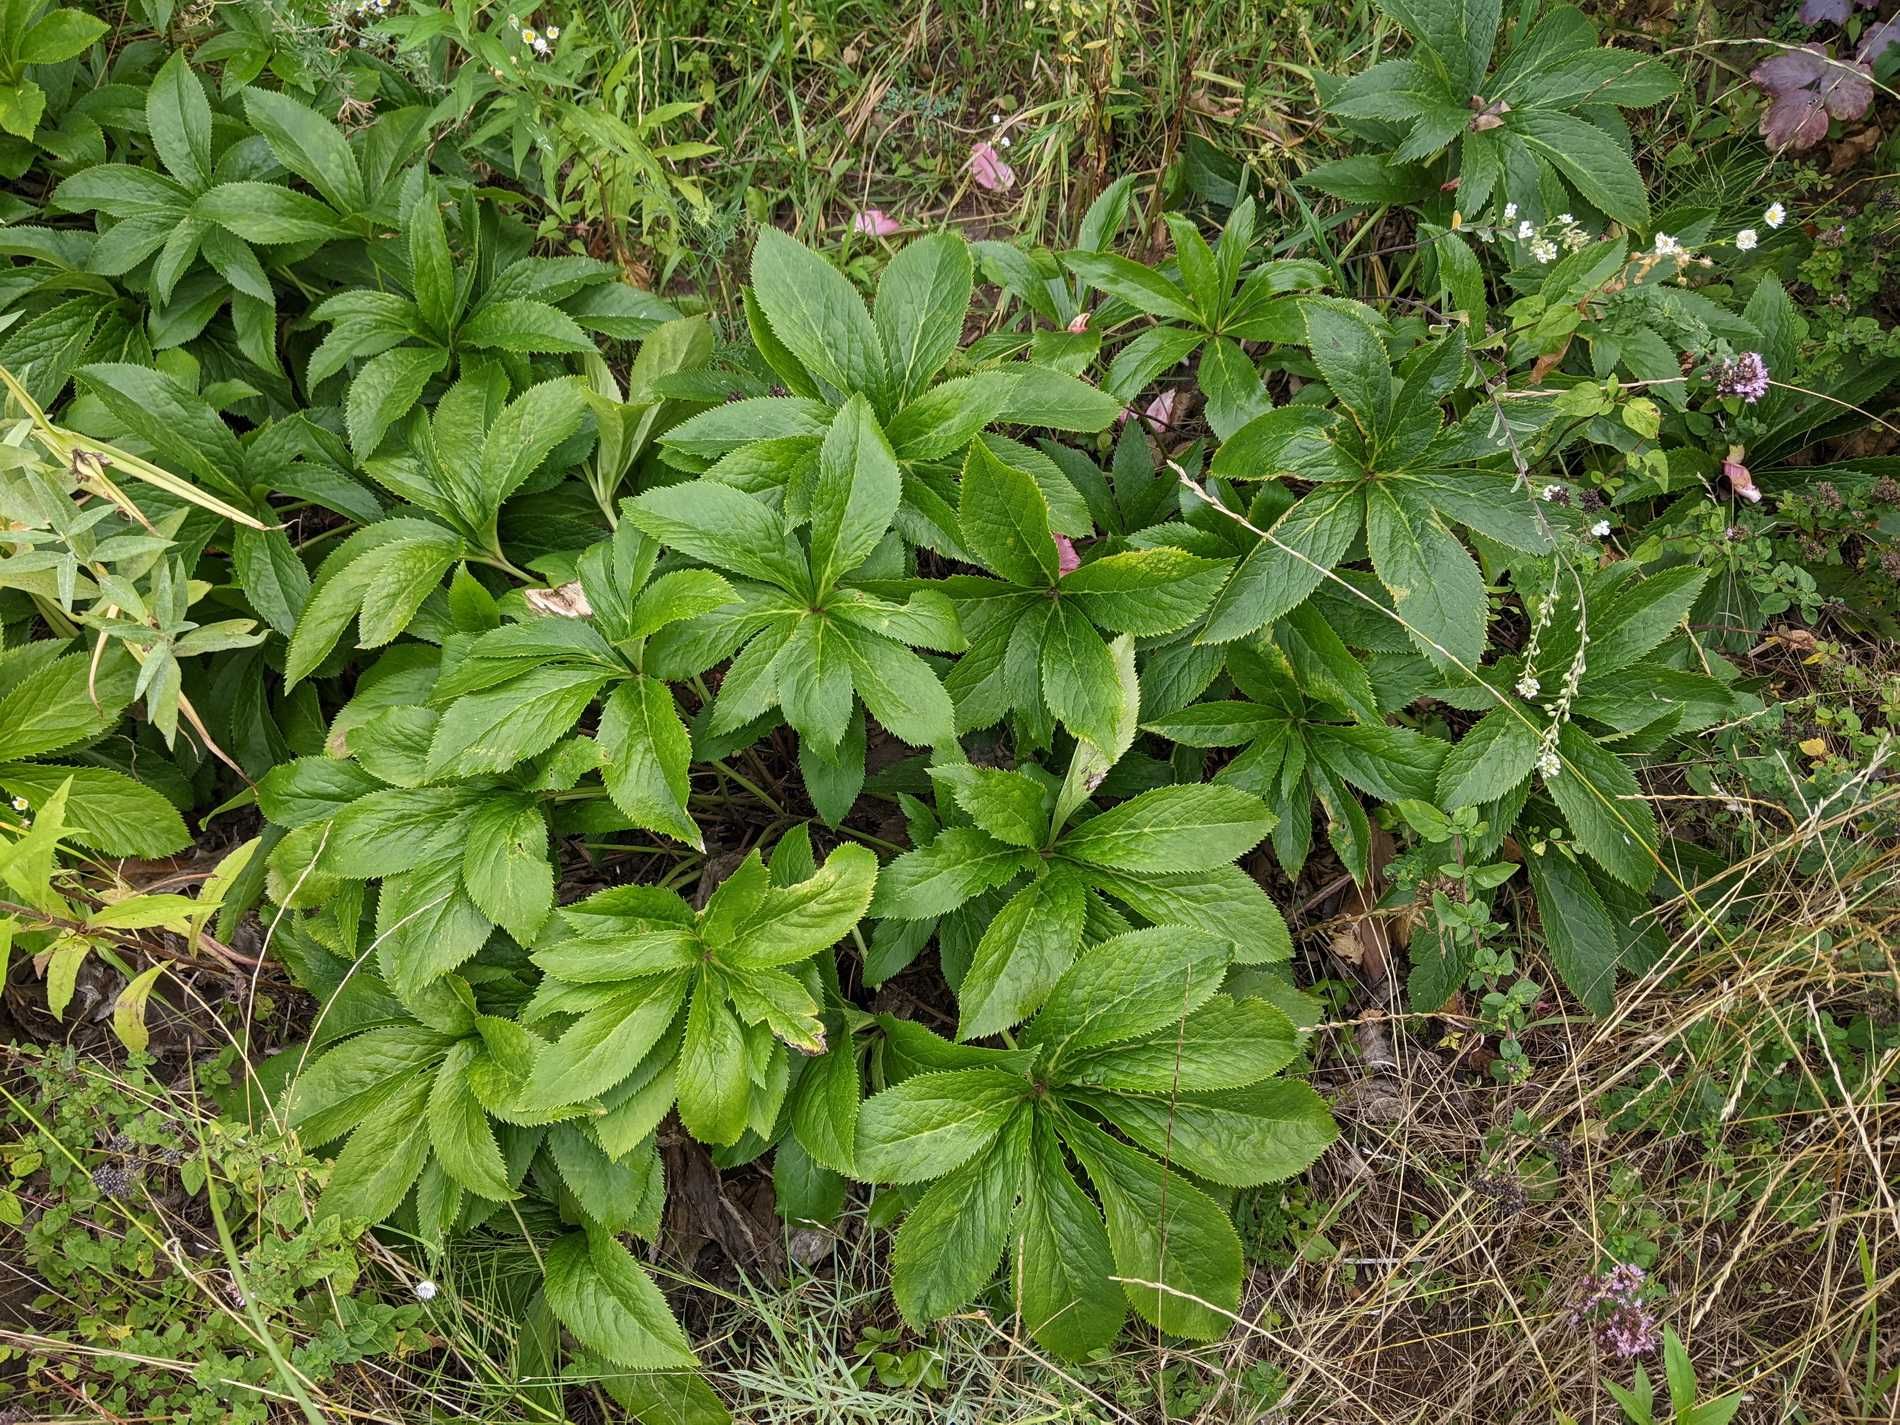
{"points": [[1510, 211], [1745, 240], [21, 804], [426, 1290], [1565, 219], [540, 45], [1528, 686], [1549, 764], [527, 37], [1553, 492], [1525, 229], [1775, 216], [1576, 239], [1544, 250], [1665, 245], [1601, 529], [553, 32], [1003, 142], [995, 119]]}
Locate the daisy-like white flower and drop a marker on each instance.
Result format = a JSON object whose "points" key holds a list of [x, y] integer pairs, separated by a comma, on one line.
{"points": [[1601, 529], [1510, 211], [553, 32], [1745, 240], [528, 36], [21, 804], [1666, 245], [1565, 219], [540, 45], [426, 1290], [1002, 141], [1544, 250], [1775, 216], [1526, 229]]}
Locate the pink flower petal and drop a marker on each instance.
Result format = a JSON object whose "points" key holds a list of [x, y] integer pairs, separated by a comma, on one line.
{"points": [[1079, 323], [988, 169], [1740, 482], [1160, 411], [875, 222], [1067, 560]]}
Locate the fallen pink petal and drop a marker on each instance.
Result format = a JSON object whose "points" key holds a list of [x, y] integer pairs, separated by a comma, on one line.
{"points": [[1079, 323], [1067, 560], [875, 222], [988, 169]]}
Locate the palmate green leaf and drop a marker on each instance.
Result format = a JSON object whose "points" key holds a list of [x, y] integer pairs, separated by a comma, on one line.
{"points": [[60, 35], [386, 388], [855, 495], [1435, 584], [606, 1044], [1141, 287], [624, 1194], [1010, 806], [1226, 1044], [1351, 356], [825, 1112], [1238, 1138], [923, 296], [310, 146], [382, 1160], [932, 1123], [603, 957], [459, 1132], [1126, 986], [1454, 36], [714, 1092], [1224, 901], [1162, 1230], [389, 831], [952, 1241], [178, 117], [1063, 1261], [1590, 158], [602, 1295], [1584, 943], [1146, 591], [961, 863], [109, 811], [523, 325], [342, 1087], [506, 868], [898, 688], [814, 312], [647, 758], [1490, 761], [1026, 949], [721, 526], [426, 926], [1080, 683], [1004, 520], [1608, 815], [494, 730], [795, 922], [268, 214], [1185, 828], [1282, 570]]}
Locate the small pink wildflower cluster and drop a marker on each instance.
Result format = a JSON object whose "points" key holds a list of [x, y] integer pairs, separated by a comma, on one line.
{"points": [[1611, 1302]]}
